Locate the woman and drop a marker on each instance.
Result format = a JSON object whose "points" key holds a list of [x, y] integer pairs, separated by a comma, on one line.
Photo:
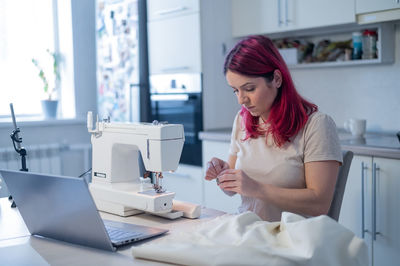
{"points": [[284, 154]]}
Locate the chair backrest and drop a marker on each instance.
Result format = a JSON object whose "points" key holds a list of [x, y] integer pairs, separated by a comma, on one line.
{"points": [[336, 204]]}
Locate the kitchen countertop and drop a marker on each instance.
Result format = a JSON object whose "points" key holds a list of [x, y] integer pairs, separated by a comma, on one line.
{"points": [[373, 144]]}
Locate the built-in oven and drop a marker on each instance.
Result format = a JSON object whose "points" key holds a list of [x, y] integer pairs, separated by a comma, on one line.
{"points": [[177, 99]]}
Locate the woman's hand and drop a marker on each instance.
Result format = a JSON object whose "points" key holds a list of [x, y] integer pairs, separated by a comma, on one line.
{"points": [[215, 167], [238, 181]]}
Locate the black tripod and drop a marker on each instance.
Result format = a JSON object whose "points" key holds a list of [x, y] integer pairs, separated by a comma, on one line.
{"points": [[17, 141], [21, 150]]}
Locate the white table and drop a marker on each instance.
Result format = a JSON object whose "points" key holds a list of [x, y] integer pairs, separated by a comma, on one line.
{"points": [[18, 247]]}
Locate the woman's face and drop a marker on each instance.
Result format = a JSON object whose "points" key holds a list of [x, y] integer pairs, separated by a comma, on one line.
{"points": [[255, 93]]}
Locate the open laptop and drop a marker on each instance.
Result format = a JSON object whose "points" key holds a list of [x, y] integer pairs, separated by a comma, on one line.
{"points": [[62, 208]]}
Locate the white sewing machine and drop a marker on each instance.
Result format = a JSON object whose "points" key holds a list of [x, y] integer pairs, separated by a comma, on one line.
{"points": [[117, 152]]}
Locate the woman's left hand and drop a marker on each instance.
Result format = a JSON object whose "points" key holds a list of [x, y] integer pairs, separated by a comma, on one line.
{"points": [[238, 181]]}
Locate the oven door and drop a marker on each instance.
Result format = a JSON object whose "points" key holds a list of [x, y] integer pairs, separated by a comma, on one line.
{"points": [[185, 109]]}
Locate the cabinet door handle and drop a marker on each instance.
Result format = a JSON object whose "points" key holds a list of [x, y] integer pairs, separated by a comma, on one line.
{"points": [[280, 22], [375, 169], [148, 148], [175, 68], [286, 13], [169, 97], [171, 10], [363, 168]]}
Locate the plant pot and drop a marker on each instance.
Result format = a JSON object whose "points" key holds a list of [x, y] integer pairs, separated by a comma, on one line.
{"points": [[49, 108]]}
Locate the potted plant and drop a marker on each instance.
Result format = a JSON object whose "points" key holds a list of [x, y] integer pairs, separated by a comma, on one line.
{"points": [[50, 102]]}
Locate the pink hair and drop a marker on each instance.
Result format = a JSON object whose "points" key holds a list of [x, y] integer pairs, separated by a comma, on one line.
{"points": [[257, 56]]}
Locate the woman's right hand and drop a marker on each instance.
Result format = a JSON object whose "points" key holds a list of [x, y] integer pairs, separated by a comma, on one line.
{"points": [[214, 167]]}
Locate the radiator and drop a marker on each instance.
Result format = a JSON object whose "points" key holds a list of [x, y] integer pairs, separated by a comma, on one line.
{"points": [[57, 159]]}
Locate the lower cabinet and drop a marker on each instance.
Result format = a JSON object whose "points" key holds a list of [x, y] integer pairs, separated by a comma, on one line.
{"points": [[370, 207], [186, 182], [214, 197]]}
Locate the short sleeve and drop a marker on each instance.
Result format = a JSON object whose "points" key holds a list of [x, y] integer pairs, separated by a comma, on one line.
{"points": [[234, 147], [321, 141]]}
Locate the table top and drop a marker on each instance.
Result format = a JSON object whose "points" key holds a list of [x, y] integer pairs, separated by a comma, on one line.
{"points": [[18, 247]]}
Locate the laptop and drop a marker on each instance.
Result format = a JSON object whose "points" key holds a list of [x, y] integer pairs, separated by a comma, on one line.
{"points": [[62, 208]]}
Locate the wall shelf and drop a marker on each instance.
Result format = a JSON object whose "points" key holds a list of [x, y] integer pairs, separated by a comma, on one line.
{"points": [[385, 46], [337, 64]]}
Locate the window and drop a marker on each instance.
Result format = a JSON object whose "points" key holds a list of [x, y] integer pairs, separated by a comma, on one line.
{"points": [[26, 32]]}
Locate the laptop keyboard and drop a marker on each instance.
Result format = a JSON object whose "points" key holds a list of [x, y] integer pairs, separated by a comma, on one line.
{"points": [[117, 234]]}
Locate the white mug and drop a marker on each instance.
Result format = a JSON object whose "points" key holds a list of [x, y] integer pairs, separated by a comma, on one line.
{"points": [[356, 127]]}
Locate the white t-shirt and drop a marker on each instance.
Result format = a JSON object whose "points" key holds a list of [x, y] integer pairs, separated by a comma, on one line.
{"points": [[283, 166]]}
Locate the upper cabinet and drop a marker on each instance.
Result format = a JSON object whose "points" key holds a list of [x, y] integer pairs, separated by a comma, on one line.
{"points": [[255, 18], [161, 9], [367, 6], [173, 29], [371, 11], [270, 16], [174, 45]]}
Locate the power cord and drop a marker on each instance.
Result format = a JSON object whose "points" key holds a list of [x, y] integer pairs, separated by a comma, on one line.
{"points": [[86, 172]]}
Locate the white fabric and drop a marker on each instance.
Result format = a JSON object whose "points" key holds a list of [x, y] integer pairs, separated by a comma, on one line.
{"points": [[245, 239], [283, 166]]}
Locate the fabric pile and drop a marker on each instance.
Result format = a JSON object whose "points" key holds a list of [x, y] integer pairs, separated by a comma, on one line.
{"points": [[245, 239]]}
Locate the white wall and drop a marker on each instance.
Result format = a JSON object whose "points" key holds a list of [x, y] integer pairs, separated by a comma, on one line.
{"points": [[371, 92], [41, 133]]}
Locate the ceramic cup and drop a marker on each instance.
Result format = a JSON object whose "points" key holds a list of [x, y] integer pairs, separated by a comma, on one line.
{"points": [[356, 127]]}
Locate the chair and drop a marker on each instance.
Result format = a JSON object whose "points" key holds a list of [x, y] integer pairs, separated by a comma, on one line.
{"points": [[336, 204]]}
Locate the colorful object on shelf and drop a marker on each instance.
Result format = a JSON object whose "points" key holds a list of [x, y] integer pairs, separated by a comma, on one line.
{"points": [[369, 39], [357, 45], [362, 45]]}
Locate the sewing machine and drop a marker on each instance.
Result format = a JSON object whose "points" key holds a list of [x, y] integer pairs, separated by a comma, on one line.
{"points": [[123, 155]]}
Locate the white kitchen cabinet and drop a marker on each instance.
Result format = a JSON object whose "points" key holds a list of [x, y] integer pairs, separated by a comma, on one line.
{"points": [[372, 11], [214, 197], [368, 6], [374, 208], [271, 16], [186, 182], [320, 13], [387, 243], [162, 9], [174, 45], [257, 17]]}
